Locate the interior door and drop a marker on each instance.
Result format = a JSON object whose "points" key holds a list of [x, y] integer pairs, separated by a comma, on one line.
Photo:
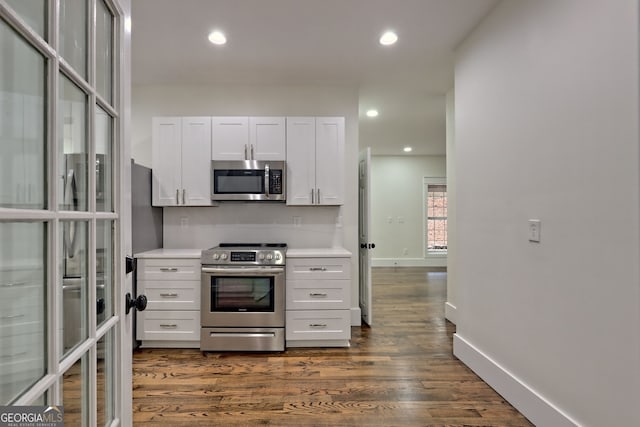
{"points": [[70, 78], [364, 232]]}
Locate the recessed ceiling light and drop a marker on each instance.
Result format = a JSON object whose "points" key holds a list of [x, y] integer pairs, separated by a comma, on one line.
{"points": [[372, 113], [407, 149], [217, 37], [388, 38]]}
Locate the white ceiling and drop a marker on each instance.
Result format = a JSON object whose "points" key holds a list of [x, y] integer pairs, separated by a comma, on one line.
{"points": [[305, 42]]}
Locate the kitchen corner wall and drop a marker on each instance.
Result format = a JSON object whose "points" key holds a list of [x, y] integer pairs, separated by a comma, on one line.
{"points": [[204, 227], [397, 205]]}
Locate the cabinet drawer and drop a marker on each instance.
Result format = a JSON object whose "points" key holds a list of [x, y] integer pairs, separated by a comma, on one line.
{"points": [[171, 295], [168, 269], [318, 294], [318, 325], [318, 268], [168, 325]]}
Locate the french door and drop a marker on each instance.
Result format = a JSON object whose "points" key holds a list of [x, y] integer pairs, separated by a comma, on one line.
{"points": [[65, 340]]}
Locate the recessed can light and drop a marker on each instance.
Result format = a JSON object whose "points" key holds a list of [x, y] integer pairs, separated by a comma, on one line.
{"points": [[217, 37], [372, 113], [388, 38], [407, 149]]}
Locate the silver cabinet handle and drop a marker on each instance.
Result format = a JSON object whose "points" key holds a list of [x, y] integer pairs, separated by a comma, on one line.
{"points": [[183, 196], [245, 152], [168, 326], [11, 285], [317, 295], [177, 196], [169, 295], [317, 325], [168, 269], [318, 196], [252, 157], [318, 268], [313, 199]]}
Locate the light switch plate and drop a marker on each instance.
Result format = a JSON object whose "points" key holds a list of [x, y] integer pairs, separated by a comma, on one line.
{"points": [[534, 230]]}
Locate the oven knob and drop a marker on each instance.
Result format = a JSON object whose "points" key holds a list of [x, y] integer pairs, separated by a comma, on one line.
{"points": [[261, 256], [269, 256], [216, 256], [223, 256], [278, 257]]}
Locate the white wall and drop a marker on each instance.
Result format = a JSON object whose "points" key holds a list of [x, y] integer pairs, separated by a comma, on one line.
{"points": [[450, 308], [202, 228], [546, 125], [397, 217]]}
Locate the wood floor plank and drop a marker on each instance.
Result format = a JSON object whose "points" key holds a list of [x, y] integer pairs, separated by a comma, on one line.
{"points": [[401, 372]]}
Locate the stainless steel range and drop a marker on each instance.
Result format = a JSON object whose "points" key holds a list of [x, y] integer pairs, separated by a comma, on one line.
{"points": [[242, 304]]}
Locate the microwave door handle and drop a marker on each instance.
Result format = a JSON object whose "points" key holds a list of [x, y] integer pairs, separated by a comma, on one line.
{"points": [[266, 180]]}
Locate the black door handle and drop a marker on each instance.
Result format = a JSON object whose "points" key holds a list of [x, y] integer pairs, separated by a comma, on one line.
{"points": [[372, 245], [363, 246], [139, 303], [130, 264]]}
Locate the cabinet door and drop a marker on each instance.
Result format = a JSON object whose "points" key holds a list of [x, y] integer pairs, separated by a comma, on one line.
{"points": [[267, 138], [166, 160], [196, 163], [229, 138], [301, 162], [330, 160]]}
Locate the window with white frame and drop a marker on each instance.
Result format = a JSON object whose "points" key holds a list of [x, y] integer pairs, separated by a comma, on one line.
{"points": [[435, 196]]}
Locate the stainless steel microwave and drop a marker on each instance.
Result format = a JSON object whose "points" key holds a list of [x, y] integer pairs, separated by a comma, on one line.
{"points": [[248, 180]]}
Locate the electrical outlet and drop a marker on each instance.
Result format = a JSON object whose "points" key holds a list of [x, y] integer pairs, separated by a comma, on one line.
{"points": [[405, 251], [534, 230], [184, 222], [297, 221]]}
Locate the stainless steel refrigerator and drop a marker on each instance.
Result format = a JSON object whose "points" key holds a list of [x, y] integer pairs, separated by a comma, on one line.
{"points": [[146, 221]]}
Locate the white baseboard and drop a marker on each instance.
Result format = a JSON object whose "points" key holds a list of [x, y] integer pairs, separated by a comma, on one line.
{"points": [[439, 261], [356, 316], [531, 404], [451, 313]]}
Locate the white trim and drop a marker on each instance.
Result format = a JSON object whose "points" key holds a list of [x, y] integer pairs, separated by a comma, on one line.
{"points": [[451, 312], [432, 261], [531, 404], [356, 316]]}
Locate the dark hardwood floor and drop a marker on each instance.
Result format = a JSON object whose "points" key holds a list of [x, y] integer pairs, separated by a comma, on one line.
{"points": [[401, 372]]}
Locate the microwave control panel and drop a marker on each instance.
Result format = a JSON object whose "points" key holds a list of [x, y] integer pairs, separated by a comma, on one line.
{"points": [[275, 182]]}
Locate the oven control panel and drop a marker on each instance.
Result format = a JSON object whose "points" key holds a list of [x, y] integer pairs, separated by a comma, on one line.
{"points": [[217, 256]]}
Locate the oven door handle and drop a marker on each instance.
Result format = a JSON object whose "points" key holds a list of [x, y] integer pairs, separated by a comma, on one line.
{"points": [[248, 270]]}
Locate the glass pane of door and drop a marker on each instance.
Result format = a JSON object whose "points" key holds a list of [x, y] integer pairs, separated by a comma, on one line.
{"points": [[75, 295], [22, 123], [75, 388], [22, 307], [104, 270], [104, 161], [105, 380], [104, 51], [73, 157], [34, 12], [73, 34]]}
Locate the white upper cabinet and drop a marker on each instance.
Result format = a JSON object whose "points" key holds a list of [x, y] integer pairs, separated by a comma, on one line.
{"points": [[181, 161], [229, 138], [267, 138], [315, 160], [248, 138]]}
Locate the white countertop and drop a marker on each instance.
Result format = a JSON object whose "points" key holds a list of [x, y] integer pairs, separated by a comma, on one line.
{"points": [[170, 253], [291, 253], [318, 253]]}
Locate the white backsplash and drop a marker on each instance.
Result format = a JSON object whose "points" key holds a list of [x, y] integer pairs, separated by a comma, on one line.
{"points": [[298, 226]]}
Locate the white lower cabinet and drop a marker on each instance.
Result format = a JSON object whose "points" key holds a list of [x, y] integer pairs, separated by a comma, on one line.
{"points": [[172, 316], [318, 302]]}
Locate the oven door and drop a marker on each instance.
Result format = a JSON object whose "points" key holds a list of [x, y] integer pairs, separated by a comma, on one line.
{"points": [[242, 297]]}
